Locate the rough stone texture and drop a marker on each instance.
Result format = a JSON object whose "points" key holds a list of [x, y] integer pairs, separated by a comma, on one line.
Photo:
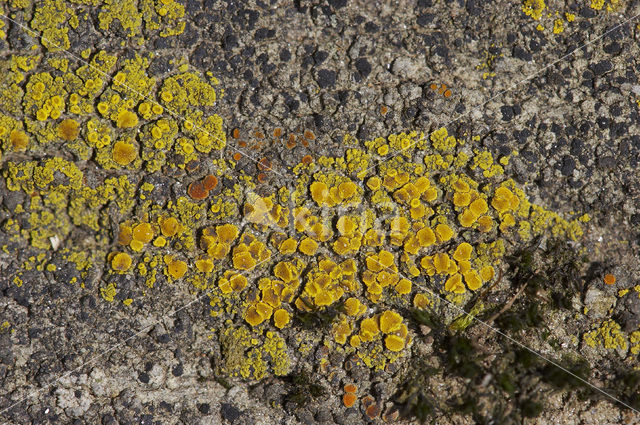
{"points": [[337, 67]]}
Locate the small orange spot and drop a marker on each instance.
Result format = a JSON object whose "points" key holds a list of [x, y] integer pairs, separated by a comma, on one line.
{"points": [[349, 399], [305, 143], [242, 143], [210, 182], [262, 177], [442, 88], [258, 135], [384, 110], [433, 86], [235, 133], [197, 191], [609, 279], [237, 156], [307, 159], [277, 132], [447, 93], [309, 135], [350, 388]]}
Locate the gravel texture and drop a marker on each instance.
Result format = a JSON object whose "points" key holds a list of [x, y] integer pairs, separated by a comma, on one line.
{"points": [[567, 103]]}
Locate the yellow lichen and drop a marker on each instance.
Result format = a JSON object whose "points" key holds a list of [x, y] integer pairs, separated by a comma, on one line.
{"points": [[124, 153], [121, 262]]}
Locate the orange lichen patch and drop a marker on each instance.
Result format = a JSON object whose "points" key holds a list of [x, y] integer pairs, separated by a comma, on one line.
{"points": [[441, 89], [143, 232], [237, 156], [508, 220], [421, 301], [441, 262], [353, 307], [121, 262], [253, 317], [472, 278], [204, 265], [281, 318], [464, 266], [427, 264], [403, 287], [243, 261], [426, 237], [277, 132], [177, 268], [159, 242], [264, 310], [347, 189], [609, 279], [19, 140], [463, 252], [390, 321], [291, 141], [504, 200], [394, 343], [210, 182], [125, 235], [136, 245], [478, 207], [169, 226], [341, 331], [444, 232], [288, 246], [487, 273], [350, 388], [308, 134], [235, 133], [369, 329], [126, 119], [319, 192], [467, 218], [460, 186], [237, 281], [346, 226], [384, 110], [68, 129], [485, 223], [454, 284], [197, 191], [262, 177], [461, 199], [349, 399], [232, 281], [123, 153], [227, 232], [308, 246]]}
